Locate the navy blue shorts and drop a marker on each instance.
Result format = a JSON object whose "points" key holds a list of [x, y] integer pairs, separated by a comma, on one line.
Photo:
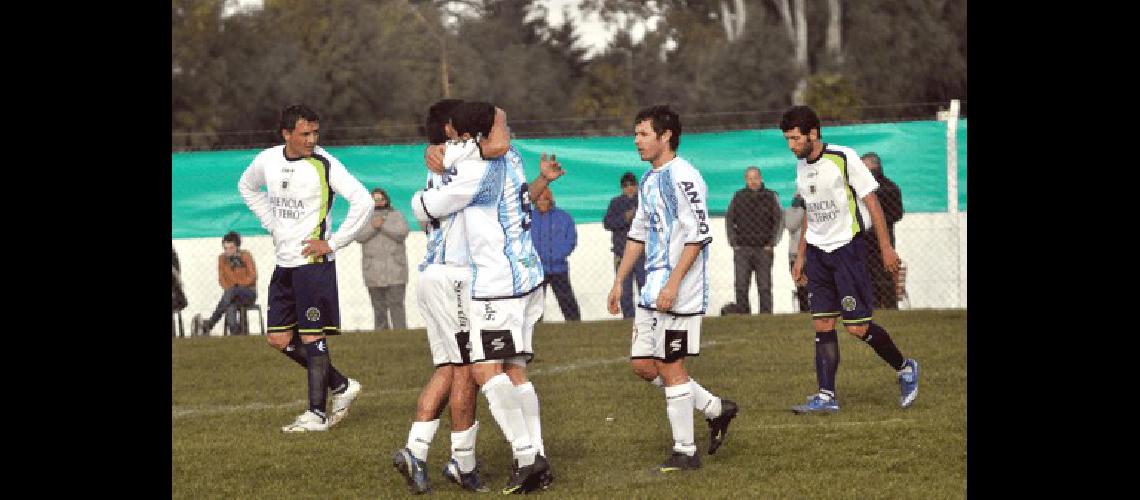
{"points": [[838, 283], [304, 298]]}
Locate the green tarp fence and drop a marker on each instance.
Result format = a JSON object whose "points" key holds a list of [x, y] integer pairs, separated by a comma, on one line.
{"points": [[205, 201]]}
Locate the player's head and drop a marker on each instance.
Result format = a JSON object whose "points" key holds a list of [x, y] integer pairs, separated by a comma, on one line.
{"points": [[752, 178], [437, 119], [300, 130], [380, 198], [873, 162], [628, 184], [544, 201], [231, 242], [473, 118], [801, 129], [656, 133]]}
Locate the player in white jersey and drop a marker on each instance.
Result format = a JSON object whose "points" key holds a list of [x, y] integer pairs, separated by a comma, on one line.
{"points": [[494, 197], [671, 226], [839, 193], [444, 297], [301, 181]]}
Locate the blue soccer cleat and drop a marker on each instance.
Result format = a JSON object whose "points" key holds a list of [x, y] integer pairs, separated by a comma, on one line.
{"points": [[817, 404], [469, 481], [413, 469], [908, 384]]}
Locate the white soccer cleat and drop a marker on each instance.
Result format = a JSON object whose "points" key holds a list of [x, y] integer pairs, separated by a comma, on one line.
{"points": [[307, 422], [341, 402]]}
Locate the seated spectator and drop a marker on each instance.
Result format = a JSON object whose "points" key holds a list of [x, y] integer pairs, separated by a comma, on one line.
{"points": [[555, 236], [238, 276]]}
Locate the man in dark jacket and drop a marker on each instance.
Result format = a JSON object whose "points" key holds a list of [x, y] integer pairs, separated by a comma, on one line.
{"points": [[618, 217], [555, 236], [890, 198], [754, 222]]}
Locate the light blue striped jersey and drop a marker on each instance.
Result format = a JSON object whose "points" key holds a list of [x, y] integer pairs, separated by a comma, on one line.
{"points": [[447, 235]]}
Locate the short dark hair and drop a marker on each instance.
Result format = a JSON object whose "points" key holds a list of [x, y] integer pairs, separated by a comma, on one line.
{"points": [[661, 118], [232, 236], [290, 115], [803, 117], [628, 178], [875, 156], [473, 118], [438, 116]]}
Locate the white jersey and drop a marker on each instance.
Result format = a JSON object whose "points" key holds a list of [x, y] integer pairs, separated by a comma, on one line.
{"points": [[495, 201], [833, 188], [671, 213], [298, 197], [447, 235]]}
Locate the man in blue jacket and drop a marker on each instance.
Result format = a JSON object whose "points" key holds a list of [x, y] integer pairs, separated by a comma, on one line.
{"points": [[554, 236], [618, 217]]}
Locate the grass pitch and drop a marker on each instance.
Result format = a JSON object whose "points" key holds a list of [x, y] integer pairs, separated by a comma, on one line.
{"points": [[231, 395]]}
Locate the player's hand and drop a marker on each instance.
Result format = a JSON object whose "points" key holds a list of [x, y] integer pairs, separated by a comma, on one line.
{"points": [[433, 157], [667, 297], [890, 258], [798, 270], [612, 302], [316, 248], [550, 169]]}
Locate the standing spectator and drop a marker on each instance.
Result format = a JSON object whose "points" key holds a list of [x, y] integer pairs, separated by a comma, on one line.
{"points": [[794, 221], [237, 275], [555, 237], [890, 198], [618, 217], [384, 261], [753, 223]]}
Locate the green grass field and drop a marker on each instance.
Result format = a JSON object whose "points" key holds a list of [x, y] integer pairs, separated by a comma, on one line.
{"points": [[231, 395]]}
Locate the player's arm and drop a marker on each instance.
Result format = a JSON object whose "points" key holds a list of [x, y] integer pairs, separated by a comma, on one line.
{"points": [[496, 144], [359, 207], [249, 185], [466, 179], [801, 247], [692, 217], [633, 250], [548, 171]]}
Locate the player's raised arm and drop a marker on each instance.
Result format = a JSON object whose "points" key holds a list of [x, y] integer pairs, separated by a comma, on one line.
{"points": [[548, 171], [498, 142], [465, 180]]}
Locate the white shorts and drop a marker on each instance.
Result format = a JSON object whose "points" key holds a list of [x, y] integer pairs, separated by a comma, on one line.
{"points": [[504, 328], [444, 298], [664, 336]]}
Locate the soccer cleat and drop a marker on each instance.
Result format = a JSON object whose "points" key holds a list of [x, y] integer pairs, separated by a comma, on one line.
{"points": [[341, 402], [817, 404], [526, 479], [679, 461], [413, 469], [307, 422], [547, 477], [467, 480], [718, 427], [908, 383]]}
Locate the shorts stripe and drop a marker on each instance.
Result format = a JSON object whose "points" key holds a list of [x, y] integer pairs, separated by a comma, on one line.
{"points": [[826, 315], [282, 328], [856, 321], [318, 330]]}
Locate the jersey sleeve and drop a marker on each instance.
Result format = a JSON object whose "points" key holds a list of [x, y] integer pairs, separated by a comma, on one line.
{"points": [[638, 227], [249, 185], [456, 152], [359, 203], [461, 182], [692, 213], [860, 176]]}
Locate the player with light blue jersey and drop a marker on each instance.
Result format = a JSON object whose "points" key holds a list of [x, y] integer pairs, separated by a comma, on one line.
{"points": [[671, 225], [493, 196]]}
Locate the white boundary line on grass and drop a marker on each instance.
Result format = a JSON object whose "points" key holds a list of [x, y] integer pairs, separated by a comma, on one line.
{"points": [[823, 424], [183, 412]]}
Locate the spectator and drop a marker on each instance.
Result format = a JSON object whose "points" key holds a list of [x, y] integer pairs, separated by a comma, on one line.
{"points": [[384, 261], [238, 276], [554, 238], [890, 198], [618, 217], [753, 223], [794, 221], [177, 296]]}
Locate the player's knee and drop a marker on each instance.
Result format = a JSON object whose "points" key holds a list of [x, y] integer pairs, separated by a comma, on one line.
{"points": [[859, 331], [644, 368], [824, 324], [279, 341]]}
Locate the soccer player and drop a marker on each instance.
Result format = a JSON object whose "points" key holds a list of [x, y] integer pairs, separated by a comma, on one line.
{"points": [[671, 226], [839, 193], [301, 181], [444, 299], [505, 285]]}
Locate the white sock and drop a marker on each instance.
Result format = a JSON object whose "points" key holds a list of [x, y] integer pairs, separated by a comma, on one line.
{"points": [[463, 447], [679, 408], [529, 400], [704, 401], [419, 438], [501, 392]]}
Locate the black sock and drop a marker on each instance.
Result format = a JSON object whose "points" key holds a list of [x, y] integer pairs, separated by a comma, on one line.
{"points": [[884, 346], [318, 369], [826, 360], [296, 352]]}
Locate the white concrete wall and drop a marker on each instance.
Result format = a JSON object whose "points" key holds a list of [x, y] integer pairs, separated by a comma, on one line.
{"points": [[936, 271]]}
